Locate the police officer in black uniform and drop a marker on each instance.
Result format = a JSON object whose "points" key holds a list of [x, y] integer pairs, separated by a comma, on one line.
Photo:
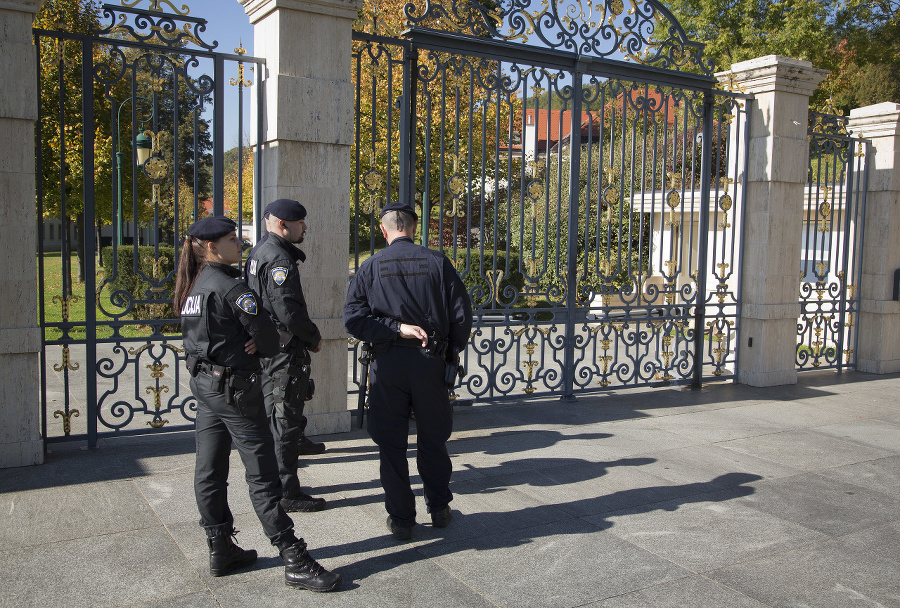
{"points": [[273, 274], [409, 302], [225, 332]]}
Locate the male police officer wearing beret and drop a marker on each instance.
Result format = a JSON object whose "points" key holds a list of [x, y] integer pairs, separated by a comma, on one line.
{"points": [[272, 272], [225, 332], [410, 303]]}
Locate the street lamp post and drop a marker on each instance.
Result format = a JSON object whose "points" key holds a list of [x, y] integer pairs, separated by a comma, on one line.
{"points": [[142, 145]]}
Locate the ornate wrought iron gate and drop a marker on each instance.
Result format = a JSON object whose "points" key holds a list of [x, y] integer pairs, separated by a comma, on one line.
{"points": [[131, 148], [592, 205], [832, 237]]}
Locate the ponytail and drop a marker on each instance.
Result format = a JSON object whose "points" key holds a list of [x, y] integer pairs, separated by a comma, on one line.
{"points": [[190, 263]]}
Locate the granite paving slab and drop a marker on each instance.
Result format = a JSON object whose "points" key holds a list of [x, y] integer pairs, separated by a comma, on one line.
{"points": [[37, 517], [400, 579], [711, 461], [111, 569], [874, 433], [713, 426], [823, 504], [805, 449], [711, 533], [688, 592], [827, 575], [203, 599], [798, 414], [882, 474], [568, 563]]}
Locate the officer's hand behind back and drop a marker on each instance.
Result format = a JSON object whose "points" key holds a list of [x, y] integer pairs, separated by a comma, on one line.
{"points": [[415, 332]]}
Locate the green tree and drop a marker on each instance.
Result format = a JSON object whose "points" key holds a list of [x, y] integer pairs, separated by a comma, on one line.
{"points": [[62, 124], [737, 30], [858, 41], [868, 54]]}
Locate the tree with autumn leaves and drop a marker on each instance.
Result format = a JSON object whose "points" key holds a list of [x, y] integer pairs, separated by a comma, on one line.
{"points": [[857, 40], [61, 122], [458, 102], [134, 90]]}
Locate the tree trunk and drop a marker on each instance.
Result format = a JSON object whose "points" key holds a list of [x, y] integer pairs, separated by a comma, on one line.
{"points": [[99, 244], [80, 234], [66, 258]]}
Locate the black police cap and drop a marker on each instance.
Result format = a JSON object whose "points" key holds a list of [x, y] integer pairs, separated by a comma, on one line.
{"points": [[212, 228], [286, 209], [398, 206]]}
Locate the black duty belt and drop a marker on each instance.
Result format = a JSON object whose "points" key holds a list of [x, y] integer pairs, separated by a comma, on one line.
{"points": [[199, 366], [435, 348], [212, 370]]}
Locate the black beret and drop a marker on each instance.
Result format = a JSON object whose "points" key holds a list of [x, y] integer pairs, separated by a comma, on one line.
{"points": [[398, 206], [286, 209], [212, 228]]}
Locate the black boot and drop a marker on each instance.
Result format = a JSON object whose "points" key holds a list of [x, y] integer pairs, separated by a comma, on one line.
{"points": [[302, 503], [301, 570], [308, 447], [225, 556]]}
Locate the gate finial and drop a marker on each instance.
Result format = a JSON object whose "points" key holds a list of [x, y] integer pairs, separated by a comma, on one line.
{"points": [[155, 6]]}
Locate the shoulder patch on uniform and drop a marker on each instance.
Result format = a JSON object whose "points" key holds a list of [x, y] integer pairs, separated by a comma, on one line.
{"points": [[247, 303], [279, 274]]}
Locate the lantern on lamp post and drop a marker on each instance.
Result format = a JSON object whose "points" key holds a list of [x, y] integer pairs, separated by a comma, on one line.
{"points": [[142, 145]]}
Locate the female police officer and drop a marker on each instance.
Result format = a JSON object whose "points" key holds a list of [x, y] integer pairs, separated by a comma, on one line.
{"points": [[225, 331]]}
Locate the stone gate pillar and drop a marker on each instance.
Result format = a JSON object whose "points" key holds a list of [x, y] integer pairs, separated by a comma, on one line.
{"points": [[776, 176], [20, 336], [305, 155], [879, 317]]}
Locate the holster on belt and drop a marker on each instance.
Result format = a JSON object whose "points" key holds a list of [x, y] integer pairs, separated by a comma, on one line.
{"points": [[192, 362], [244, 393], [286, 340], [294, 384], [452, 368]]}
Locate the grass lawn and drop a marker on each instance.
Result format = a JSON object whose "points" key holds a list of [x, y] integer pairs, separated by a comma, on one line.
{"points": [[53, 309], [53, 305]]}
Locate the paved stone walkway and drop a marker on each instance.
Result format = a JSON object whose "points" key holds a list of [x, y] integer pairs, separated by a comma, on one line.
{"points": [[730, 496]]}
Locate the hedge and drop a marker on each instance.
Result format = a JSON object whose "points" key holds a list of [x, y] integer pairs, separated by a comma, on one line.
{"points": [[127, 280]]}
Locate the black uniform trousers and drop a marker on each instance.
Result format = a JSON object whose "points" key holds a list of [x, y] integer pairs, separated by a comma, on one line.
{"points": [[405, 380], [218, 425], [286, 421]]}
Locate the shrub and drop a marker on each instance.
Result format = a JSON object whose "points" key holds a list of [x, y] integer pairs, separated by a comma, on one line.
{"points": [[141, 298], [474, 274]]}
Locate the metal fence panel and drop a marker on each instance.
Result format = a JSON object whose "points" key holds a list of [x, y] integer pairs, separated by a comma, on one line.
{"points": [[831, 265], [111, 222]]}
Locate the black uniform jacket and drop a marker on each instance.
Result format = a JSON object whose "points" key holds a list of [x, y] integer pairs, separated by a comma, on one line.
{"points": [[408, 283], [220, 314], [273, 274]]}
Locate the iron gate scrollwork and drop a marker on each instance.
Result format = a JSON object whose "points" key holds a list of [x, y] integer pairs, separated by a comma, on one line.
{"points": [[131, 149], [586, 186], [831, 238]]}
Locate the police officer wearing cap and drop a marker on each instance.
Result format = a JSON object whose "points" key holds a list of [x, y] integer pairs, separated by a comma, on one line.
{"points": [[225, 332], [410, 303], [273, 273]]}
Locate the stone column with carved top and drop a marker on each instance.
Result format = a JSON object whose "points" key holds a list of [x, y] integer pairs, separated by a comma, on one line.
{"points": [[20, 337], [879, 317], [305, 155], [775, 179]]}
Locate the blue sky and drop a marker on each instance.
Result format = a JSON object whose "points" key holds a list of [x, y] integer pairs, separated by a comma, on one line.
{"points": [[226, 22]]}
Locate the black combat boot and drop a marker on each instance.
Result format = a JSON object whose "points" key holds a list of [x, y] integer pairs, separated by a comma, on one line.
{"points": [[302, 503], [440, 519], [225, 556], [308, 447], [301, 570]]}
